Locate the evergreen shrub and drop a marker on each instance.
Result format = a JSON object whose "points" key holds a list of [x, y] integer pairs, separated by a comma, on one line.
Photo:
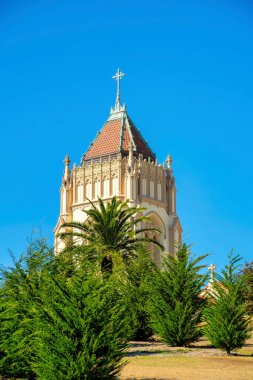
{"points": [[227, 324], [174, 306]]}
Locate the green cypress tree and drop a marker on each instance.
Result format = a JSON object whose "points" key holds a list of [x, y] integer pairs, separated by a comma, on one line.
{"points": [[61, 318], [227, 324], [139, 270], [174, 306], [82, 326], [247, 272], [19, 288]]}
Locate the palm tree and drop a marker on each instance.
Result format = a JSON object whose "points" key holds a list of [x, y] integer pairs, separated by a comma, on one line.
{"points": [[113, 227]]}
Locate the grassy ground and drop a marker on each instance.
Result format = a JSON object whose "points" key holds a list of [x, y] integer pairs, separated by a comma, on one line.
{"points": [[201, 362]]}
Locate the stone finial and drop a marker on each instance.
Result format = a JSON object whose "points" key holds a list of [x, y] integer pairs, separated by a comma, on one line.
{"points": [[67, 160], [66, 170], [169, 162]]}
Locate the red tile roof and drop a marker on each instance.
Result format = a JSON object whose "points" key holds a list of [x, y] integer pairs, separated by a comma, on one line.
{"points": [[107, 141], [115, 137]]}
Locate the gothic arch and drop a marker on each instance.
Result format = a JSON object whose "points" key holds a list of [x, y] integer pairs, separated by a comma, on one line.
{"points": [[157, 222], [156, 219]]}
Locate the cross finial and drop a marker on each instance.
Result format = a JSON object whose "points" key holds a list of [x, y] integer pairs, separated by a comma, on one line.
{"points": [[118, 77], [212, 268]]}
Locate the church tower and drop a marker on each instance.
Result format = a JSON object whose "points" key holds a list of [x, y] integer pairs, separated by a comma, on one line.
{"points": [[120, 162]]}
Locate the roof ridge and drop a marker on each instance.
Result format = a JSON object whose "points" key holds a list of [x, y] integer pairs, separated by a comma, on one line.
{"points": [[130, 133], [139, 133], [121, 135]]}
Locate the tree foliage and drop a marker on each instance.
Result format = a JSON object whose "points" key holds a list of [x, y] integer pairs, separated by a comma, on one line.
{"points": [[83, 328], [71, 316], [247, 272], [227, 324], [19, 289], [174, 307], [139, 272], [71, 324]]}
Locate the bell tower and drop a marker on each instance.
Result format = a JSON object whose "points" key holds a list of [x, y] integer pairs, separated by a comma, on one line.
{"points": [[120, 162]]}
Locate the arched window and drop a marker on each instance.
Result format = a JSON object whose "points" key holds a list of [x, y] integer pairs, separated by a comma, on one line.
{"points": [[155, 251]]}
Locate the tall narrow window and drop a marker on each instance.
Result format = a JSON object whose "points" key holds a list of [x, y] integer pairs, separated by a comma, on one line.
{"points": [[173, 200], [79, 193], [115, 186], [88, 190], [106, 186], [152, 189], [97, 188], [144, 186], [159, 192], [177, 236]]}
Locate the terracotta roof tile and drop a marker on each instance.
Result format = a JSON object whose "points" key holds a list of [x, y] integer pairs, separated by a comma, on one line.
{"points": [[107, 141], [115, 137], [126, 138]]}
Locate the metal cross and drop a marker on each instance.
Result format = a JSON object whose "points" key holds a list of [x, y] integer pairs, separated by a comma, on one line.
{"points": [[118, 77]]}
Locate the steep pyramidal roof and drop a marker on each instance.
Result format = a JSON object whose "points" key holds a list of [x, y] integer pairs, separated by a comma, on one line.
{"points": [[118, 134], [115, 137]]}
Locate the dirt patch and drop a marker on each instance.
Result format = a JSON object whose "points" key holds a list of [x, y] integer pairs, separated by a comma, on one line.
{"points": [[157, 361], [188, 368]]}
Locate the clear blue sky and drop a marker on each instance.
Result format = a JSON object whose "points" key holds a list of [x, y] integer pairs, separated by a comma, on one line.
{"points": [[188, 87]]}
